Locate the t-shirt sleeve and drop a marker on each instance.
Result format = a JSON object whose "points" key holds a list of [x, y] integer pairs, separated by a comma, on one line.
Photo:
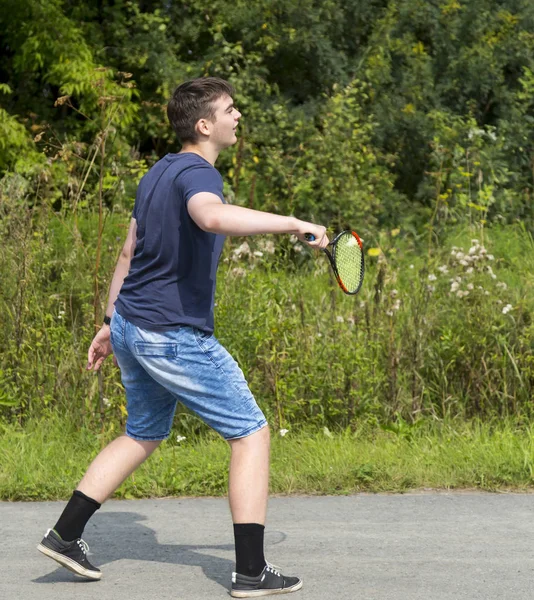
{"points": [[201, 178]]}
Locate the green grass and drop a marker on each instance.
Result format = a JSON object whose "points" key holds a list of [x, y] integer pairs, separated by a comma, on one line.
{"points": [[45, 460]]}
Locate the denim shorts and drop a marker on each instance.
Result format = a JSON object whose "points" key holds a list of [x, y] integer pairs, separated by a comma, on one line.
{"points": [[158, 369]]}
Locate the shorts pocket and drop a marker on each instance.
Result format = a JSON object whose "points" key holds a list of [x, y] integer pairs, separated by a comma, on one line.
{"points": [[162, 350], [202, 336]]}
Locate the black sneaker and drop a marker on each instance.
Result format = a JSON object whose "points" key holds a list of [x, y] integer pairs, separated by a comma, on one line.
{"points": [[269, 581], [72, 555]]}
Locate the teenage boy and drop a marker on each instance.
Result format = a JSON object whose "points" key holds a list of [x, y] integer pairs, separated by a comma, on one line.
{"points": [[159, 326]]}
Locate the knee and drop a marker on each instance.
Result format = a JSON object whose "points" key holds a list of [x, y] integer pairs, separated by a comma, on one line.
{"points": [[147, 446], [265, 435], [262, 437]]}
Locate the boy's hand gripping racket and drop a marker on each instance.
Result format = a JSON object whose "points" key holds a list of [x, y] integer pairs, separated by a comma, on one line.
{"points": [[346, 258]]}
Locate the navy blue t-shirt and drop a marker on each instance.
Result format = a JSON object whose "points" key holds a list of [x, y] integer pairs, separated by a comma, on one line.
{"points": [[171, 281]]}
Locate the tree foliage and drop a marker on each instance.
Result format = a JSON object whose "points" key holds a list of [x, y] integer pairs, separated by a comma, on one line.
{"points": [[352, 110]]}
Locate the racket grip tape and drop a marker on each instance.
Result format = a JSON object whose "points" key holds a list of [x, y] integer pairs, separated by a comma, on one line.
{"points": [[309, 237]]}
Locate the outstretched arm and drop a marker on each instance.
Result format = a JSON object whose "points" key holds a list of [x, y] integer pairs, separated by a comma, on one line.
{"points": [[210, 214]]}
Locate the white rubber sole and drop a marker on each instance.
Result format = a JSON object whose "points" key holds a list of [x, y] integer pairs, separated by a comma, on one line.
{"points": [[258, 593], [68, 563]]}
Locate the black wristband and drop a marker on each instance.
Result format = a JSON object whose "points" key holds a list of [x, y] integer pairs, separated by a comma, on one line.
{"points": [[107, 320]]}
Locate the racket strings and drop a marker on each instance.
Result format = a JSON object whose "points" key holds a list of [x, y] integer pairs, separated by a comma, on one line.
{"points": [[349, 262]]}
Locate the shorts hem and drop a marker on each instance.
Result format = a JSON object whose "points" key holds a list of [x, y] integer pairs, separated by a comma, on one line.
{"points": [[140, 438], [248, 432]]}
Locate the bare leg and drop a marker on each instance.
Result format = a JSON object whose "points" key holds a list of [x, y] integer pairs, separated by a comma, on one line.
{"points": [[249, 477], [112, 466]]}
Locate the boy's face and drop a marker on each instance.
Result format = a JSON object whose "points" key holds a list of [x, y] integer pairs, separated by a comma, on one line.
{"points": [[222, 130]]}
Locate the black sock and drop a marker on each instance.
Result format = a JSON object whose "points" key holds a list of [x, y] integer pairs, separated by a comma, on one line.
{"points": [[74, 517], [249, 548]]}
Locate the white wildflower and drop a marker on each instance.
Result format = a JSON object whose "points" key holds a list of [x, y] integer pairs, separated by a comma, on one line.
{"points": [[502, 285], [475, 242], [507, 309], [411, 267], [431, 288], [350, 320], [242, 250], [238, 272], [283, 432], [269, 247], [462, 293], [443, 269], [464, 263], [432, 277], [389, 313], [396, 305], [106, 402], [362, 304], [469, 270], [454, 286], [491, 257], [473, 250], [460, 255], [394, 293], [180, 438], [340, 319], [297, 249], [293, 239], [258, 253], [486, 293], [470, 286]]}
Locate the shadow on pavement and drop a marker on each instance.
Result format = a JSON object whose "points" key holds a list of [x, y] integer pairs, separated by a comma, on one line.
{"points": [[120, 535]]}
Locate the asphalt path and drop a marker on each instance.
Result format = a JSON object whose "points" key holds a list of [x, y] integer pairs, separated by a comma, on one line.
{"points": [[431, 546]]}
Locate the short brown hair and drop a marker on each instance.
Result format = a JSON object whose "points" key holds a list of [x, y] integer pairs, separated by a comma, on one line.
{"points": [[193, 100]]}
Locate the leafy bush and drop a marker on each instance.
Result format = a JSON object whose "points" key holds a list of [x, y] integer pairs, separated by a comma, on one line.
{"points": [[446, 335]]}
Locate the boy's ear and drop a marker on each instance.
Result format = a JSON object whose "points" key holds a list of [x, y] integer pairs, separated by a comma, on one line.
{"points": [[203, 127]]}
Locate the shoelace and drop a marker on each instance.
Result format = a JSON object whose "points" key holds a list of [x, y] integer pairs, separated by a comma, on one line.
{"points": [[271, 569], [83, 546]]}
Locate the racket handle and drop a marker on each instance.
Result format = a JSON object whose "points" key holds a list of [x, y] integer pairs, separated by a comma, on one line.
{"points": [[309, 237]]}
